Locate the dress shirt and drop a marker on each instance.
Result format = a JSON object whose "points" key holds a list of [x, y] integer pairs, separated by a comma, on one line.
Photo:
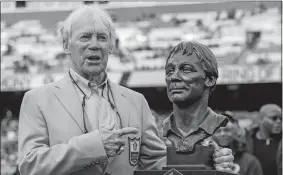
{"points": [[183, 141], [98, 107]]}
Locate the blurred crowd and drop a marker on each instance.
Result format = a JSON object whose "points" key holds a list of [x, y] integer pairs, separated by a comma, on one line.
{"points": [[29, 47], [9, 143]]}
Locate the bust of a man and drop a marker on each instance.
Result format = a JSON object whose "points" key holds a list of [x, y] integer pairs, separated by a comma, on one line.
{"points": [[191, 74]]}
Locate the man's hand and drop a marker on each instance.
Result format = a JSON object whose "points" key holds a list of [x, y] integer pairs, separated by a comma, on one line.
{"points": [[223, 158], [114, 141]]}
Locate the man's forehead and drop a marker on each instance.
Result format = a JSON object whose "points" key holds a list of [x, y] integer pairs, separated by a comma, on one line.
{"points": [[88, 23], [179, 57], [272, 114]]}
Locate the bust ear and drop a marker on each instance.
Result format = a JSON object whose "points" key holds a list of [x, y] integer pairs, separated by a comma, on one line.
{"points": [[210, 81]]}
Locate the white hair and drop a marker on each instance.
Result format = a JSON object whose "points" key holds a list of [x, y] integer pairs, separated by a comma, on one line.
{"points": [[100, 16]]}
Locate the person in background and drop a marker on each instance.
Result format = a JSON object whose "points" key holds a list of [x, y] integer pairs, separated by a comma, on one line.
{"points": [[264, 140], [233, 136]]}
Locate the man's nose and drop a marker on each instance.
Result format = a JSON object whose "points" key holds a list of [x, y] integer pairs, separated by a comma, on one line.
{"points": [[175, 76], [94, 45], [278, 120]]}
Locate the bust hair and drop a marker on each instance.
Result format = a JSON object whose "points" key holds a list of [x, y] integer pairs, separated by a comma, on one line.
{"points": [[100, 16], [204, 54]]}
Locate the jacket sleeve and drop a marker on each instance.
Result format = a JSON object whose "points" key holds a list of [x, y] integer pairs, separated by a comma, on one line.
{"points": [[36, 156], [279, 159], [153, 149], [255, 167]]}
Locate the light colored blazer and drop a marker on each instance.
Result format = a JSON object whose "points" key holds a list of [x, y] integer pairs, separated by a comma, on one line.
{"points": [[52, 142]]}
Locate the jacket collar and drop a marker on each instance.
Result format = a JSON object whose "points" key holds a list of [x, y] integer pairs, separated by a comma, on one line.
{"points": [[64, 90]]}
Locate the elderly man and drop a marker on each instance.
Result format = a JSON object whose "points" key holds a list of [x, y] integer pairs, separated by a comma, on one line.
{"points": [[84, 123], [264, 141], [191, 74]]}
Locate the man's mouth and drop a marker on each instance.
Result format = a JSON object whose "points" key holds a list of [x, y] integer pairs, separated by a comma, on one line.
{"points": [[176, 87], [177, 90], [93, 58]]}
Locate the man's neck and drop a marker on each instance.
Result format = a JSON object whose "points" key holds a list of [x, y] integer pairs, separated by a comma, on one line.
{"points": [[97, 79], [262, 134], [191, 116]]}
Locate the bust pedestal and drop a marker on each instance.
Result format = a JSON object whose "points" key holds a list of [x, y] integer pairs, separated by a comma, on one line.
{"points": [[197, 162]]}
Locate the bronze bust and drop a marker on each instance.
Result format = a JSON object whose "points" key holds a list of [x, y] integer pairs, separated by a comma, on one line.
{"points": [[191, 74]]}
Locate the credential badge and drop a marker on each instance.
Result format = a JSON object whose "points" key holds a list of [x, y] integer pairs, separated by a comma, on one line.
{"points": [[134, 145]]}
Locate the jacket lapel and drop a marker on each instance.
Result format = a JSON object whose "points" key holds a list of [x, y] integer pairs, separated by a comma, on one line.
{"points": [[66, 93], [121, 103]]}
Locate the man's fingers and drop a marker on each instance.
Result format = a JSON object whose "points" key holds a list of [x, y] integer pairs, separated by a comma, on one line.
{"points": [[219, 168], [121, 141], [226, 165], [222, 152], [120, 150], [222, 159], [127, 130], [214, 145]]}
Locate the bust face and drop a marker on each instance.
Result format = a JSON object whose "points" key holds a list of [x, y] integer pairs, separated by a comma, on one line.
{"points": [[184, 78]]}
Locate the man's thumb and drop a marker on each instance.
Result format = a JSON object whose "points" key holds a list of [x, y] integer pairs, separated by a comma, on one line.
{"points": [[214, 145]]}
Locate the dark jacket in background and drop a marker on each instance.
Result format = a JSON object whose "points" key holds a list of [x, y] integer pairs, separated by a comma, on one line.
{"points": [[249, 164], [251, 135], [279, 159]]}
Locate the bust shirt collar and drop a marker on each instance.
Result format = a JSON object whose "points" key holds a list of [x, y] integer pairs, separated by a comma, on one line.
{"points": [[211, 123]]}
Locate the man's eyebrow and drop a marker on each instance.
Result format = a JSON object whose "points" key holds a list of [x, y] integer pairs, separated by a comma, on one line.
{"points": [[101, 32], [169, 64], [84, 32], [187, 63]]}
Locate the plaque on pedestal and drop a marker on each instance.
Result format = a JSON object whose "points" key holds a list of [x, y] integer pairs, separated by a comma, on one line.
{"points": [[197, 162]]}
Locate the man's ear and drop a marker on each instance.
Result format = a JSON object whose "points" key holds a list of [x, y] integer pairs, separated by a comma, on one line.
{"points": [[66, 46], [210, 81]]}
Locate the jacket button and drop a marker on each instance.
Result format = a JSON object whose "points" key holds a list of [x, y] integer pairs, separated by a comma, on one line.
{"points": [[97, 162]]}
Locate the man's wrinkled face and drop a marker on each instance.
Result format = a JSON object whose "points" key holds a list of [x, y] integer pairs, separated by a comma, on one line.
{"points": [[185, 78], [272, 121], [224, 135], [89, 46]]}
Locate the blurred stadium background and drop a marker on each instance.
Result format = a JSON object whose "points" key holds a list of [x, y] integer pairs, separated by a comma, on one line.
{"points": [[244, 36]]}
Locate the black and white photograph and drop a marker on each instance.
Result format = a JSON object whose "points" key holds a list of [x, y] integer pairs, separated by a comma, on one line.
{"points": [[141, 87]]}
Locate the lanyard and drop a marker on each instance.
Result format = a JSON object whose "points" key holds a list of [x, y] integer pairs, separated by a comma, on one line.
{"points": [[109, 92]]}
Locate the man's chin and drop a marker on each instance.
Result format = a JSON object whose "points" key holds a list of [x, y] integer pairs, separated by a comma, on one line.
{"points": [[93, 71], [277, 131]]}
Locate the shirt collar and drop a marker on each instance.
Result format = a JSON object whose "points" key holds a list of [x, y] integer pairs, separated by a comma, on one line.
{"points": [[211, 123], [87, 86]]}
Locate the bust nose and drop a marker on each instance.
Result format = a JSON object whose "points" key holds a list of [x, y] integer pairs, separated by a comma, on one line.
{"points": [[175, 76]]}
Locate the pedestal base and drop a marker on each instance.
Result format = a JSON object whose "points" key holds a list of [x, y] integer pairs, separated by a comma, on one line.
{"points": [[181, 172]]}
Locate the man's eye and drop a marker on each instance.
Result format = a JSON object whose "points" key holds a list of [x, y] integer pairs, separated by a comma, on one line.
{"points": [[102, 37], [169, 71], [84, 37], [187, 69]]}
